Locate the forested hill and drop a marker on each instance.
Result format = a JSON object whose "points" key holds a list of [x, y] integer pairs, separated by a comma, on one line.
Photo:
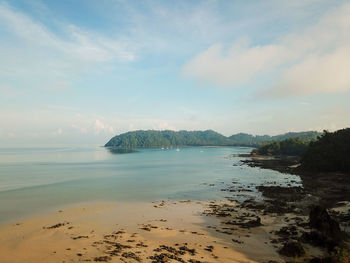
{"points": [[331, 152], [153, 138], [245, 139]]}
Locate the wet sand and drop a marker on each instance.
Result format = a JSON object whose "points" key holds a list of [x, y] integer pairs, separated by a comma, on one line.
{"points": [[134, 232]]}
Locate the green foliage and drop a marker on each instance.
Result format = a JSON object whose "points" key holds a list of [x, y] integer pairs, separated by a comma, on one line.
{"points": [[244, 139], [168, 138], [292, 147], [331, 152], [152, 138]]}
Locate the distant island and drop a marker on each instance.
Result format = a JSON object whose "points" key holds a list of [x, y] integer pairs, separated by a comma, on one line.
{"points": [[168, 138]]}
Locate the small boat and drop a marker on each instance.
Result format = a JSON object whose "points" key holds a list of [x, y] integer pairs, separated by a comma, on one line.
{"points": [[177, 149]]}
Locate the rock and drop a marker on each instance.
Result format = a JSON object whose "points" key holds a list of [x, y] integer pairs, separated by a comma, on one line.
{"points": [[314, 238], [249, 223], [320, 219], [315, 260], [131, 255], [292, 249], [285, 194], [209, 248], [102, 259]]}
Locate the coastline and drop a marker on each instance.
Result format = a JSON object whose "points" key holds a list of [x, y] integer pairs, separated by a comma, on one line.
{"points": [[255, 229], [130, 232], [329, 187], [321, 207]]}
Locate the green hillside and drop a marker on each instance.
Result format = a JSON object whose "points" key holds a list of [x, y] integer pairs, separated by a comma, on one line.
{"points": [[290, 146], [331, 152], [244, 139], [153, 138]]}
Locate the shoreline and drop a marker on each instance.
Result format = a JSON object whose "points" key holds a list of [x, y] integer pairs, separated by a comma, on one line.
{"points": [[115, 232], [329, 187], [323, 198], [254, 230]]}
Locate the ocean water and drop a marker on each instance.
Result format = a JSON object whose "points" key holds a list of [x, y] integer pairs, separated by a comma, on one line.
{"points": [[36, 180]]}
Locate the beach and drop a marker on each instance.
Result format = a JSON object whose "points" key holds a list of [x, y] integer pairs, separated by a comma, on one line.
{"points": [[133, 232], [192, 205]]}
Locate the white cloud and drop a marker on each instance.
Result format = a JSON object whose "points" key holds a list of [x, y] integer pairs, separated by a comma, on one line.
{"points": [[314, 60], [100, 126], [58, 132], [31, 51], [83, 130], [237, 66], [81, 44], [316, 74], [163, 125]]}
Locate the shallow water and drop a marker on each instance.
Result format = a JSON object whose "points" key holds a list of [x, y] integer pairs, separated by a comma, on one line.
{"points": [[38, 180]]}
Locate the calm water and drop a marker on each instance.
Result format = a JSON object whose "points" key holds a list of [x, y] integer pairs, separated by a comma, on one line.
{"points": [[38, 180]]}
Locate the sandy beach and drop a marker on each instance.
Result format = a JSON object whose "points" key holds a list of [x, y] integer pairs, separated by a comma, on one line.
{"points": [[132, 232], [259, 216]]}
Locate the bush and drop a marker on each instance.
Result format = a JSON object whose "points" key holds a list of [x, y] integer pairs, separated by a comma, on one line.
{"points": [[292, 147], [330, 153]]}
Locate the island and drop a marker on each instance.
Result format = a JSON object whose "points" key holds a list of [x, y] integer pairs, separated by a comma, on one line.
{"points": [[169, 138]]}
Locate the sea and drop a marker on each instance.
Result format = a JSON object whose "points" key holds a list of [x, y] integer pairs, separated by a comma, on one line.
{"points": [[39, 180]]}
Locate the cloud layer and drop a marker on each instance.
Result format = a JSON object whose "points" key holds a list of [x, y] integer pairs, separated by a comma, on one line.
{"points": [[311, 61], [54, 57]]}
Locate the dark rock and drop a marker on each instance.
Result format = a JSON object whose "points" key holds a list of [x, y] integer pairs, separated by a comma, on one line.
{"points": [[57, 225], [165, 258], [246, 224], [102, 259], [286, 194], [292, 249], [316, 238], [191, 251], [209, 248], [79, 237], [320, 219], [131, 255], [315, 260], [287, 231]]}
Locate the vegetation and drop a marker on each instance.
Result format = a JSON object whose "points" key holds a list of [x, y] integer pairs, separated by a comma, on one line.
{"points": [[291, 147], [168, 138], [152, 138], [244, 139], [330, 153]]}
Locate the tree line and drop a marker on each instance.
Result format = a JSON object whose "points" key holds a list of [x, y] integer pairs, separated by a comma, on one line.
{"points": [[167, 138], [330, 152]]}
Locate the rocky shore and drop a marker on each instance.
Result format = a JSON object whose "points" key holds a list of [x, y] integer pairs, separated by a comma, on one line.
{"points": [[317, 215]]}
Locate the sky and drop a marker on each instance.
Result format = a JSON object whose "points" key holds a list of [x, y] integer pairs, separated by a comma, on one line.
{"points": [[79, 72]]}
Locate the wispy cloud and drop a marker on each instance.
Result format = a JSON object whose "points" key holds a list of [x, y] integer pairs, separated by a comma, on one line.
{"points": [[100, 126], [54, 58], [58, 132], [312, 60], [77, 43], [7, 91]]}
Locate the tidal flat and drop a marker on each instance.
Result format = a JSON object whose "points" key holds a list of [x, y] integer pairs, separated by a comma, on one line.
{"points": [[150, 205]]}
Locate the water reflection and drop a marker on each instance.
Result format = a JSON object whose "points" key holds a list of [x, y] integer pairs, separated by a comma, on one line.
{"points": [[114, 150]]}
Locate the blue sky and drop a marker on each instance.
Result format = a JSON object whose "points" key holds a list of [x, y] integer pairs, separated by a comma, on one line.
{"points": [[79, 72]]}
